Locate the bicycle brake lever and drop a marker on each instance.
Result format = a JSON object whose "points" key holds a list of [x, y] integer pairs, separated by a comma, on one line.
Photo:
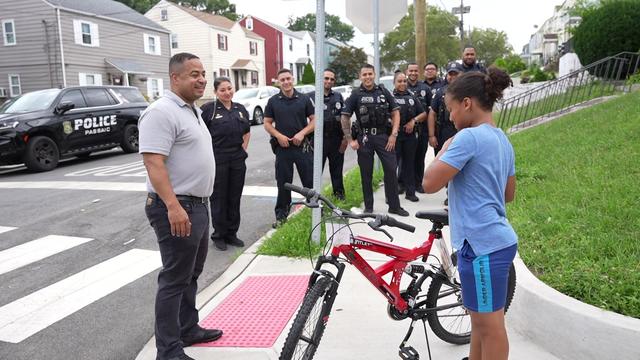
{"points": [[386, 233]]}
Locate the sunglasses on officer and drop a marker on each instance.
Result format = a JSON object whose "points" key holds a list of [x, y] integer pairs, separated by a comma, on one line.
{"points": [[327, 78]]}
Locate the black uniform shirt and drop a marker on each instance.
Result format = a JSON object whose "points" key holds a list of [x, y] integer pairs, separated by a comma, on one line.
{"points": [[226, 127], [289, 113], [434, 86], [444, 126], [423, 93], [333, 105], [410, 107], [377, 95], [474, 67]]}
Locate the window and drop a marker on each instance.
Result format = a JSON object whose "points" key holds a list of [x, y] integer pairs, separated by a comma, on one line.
{"points": [[15, 88], [154, 88], [254, 78], [85, 79], [152, 44], [174, 41], [75, 97], [308, 50], [222, 42], [290, 44], [98, 97], [249, 23], [253, 48], [128, 95], [224, 72], [9, 32], [86, 33], [164, 15]]}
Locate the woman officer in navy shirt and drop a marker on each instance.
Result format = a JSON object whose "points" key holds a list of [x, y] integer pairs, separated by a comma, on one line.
{"points": [[228, 123]]}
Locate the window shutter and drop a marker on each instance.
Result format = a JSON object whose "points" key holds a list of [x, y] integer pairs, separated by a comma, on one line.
{"points": [[160, 87], [158, 50], [77, 31], [95, 35], [145, 37], [98, 79], [149, 88], [82, 79]]}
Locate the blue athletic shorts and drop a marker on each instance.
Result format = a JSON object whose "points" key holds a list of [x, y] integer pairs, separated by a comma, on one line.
{"points": [[484, 278]]}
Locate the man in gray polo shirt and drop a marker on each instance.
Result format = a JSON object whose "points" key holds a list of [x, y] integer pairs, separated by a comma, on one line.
{"points": [[176, 148]]}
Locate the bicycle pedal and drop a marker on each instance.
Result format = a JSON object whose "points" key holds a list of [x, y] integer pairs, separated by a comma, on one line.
{"points": [[408, 353]]}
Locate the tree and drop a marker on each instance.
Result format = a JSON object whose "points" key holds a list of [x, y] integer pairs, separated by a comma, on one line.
{"points": [[490, 44], [141, 6], [346, 63], [218, 7], [511, 63], [398, 45], [308, 76], [334, 27], [608, 30]]}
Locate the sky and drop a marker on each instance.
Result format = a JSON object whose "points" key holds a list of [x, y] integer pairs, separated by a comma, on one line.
{"points": [[515, 17]]}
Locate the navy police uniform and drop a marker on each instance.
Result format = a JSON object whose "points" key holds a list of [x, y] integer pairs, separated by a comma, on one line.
{"points": [[474, 67], [373, 110], [406, 145], [333, 137], [423, 93], [290, 116], [444, 126], [227, 128]]}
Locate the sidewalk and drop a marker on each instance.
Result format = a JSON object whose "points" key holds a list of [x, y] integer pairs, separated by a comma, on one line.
{"points": [[359, 327]]}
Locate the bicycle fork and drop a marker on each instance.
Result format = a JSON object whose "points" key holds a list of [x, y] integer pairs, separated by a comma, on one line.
{"points": [[332, 291]]}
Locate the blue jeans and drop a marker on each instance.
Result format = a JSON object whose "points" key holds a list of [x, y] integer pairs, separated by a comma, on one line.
{"points": [[182, 262]]}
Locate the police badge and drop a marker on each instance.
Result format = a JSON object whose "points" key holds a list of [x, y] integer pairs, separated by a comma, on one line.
{"points": [[338, 106], [411, 102], [423, 93], [382, 99], [66, 127]]}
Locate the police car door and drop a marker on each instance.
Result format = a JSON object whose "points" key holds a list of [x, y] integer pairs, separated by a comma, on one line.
{"points": [[97, 125], [69, 124]]}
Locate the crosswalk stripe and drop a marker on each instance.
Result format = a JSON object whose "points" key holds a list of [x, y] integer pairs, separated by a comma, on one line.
{"points": [[4, 229], [35, 312], [36, 250]]}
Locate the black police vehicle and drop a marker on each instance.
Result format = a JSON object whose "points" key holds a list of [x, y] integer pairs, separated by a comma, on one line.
{"points": [[40, 127]]}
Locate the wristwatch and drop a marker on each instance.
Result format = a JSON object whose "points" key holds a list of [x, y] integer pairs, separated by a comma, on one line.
{"points": [[395, 133]]}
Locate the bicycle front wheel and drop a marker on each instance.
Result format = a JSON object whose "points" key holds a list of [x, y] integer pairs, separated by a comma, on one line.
{"points": [[309, 324], [450, 320]]}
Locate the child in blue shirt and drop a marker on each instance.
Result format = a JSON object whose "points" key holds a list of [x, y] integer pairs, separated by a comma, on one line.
{"points": [[478, 163]]}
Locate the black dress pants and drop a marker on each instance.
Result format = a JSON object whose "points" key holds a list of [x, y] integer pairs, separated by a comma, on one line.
{"points": [[422, 145], [331, 151], [375, 144], [225, 200], [406, 153], [182, 262], [285, 159]]}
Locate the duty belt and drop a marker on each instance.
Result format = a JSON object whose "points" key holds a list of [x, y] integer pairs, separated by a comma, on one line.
{"points": [[375, 131], [195, 199]]}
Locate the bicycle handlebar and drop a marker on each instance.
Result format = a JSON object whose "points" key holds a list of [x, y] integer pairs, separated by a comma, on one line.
{"points": [[312, 198]]}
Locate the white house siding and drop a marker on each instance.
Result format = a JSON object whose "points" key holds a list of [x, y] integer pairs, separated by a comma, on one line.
{"points": [[300, 42], [28, 58]]}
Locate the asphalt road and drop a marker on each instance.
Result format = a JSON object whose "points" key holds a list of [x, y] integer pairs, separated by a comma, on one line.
{"points": [[101, 200]]}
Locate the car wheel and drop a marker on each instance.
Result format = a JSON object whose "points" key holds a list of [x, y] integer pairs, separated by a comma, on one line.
{"points": [[130, 138], [258, 116], [42, 154]]}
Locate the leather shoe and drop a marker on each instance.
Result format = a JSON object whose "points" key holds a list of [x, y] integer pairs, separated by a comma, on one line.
{"points": [[182, 357], [200, 335], [412, 198], [399, 211], [420, 189], [234, 241], [220, 244]]}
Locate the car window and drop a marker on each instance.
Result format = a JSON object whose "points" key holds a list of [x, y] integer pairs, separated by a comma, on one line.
{"points": [[128, 95], [74, 96], [273, 91], [245, 94], [98, 97], [33, 101]]}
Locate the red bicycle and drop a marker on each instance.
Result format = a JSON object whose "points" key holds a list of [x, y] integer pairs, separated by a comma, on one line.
{"points": [[441, 306]]}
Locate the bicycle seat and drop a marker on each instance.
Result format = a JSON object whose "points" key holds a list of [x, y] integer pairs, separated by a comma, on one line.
{"points": [[441, 216]]}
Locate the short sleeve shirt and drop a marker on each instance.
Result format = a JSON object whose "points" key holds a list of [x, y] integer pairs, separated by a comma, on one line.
{"points": [[227, 128], [289, 113], [485, 160], [333, 105], [175, 129], [376, 95]]}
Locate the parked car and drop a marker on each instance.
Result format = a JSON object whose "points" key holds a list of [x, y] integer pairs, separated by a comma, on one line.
{"points": [[387, 82], [255, 100], [41, 127], [305, 89], [344, 90]]}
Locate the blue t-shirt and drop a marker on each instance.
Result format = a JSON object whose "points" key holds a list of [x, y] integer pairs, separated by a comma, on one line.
{"points": [[485, 159]]}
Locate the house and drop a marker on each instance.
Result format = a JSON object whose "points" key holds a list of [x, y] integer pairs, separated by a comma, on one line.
{"points": [[224, 47], [284, 48], [60, 43]]}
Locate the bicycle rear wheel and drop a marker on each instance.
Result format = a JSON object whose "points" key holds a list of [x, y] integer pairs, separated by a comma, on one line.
{"points": [[308, 326]]}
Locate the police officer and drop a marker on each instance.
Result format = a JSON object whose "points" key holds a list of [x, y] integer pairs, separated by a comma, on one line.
{"points": [[412, 114], [469, 62], [441, 128], [423, 93], [374, 106], [431, 77], [289, 110], [334, 144], [228, 123]]}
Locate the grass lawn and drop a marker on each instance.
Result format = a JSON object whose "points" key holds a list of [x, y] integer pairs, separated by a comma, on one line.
{"points": [[577, 207], [292, 238]]}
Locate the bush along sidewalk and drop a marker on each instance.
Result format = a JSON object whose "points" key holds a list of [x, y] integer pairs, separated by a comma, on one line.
{"points": [[292, 238]]}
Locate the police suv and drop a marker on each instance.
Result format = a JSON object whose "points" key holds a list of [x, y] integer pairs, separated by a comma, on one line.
{"points": [[40, 127]]}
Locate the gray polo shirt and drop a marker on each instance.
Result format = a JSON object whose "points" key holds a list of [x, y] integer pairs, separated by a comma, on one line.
{"points": [[170, 127]]}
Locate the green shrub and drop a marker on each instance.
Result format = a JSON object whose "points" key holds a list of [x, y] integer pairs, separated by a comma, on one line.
{"points": [[634, 79], [536, 74], [608, 30], [308, 77], [511, 64]]}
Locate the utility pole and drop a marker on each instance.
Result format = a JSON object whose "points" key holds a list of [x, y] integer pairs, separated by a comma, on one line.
{"points": [[461, 11], [419, 20]]}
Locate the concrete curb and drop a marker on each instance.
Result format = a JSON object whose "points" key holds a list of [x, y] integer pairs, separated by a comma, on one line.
{"points": [[569, 328]]}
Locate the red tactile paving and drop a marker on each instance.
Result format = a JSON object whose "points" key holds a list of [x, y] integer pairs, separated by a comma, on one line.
{"points": [[256, 312]]}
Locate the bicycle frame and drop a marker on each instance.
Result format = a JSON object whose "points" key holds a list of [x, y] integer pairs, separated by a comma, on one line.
{"points": [[401, 257]]}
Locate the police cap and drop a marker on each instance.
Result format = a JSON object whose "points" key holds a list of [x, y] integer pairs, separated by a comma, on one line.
{"points": [[453, 67]]}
